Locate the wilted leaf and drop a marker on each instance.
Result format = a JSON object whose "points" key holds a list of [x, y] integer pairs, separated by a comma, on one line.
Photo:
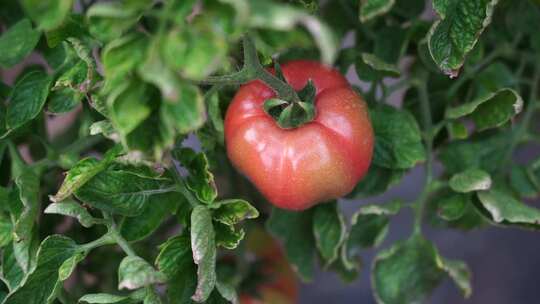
{"points": [[134, 272], [329, 230], [470, 180], [203, 245]]}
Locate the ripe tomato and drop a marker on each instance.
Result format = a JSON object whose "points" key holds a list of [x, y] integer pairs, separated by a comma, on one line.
{"points": [[318, 161]]}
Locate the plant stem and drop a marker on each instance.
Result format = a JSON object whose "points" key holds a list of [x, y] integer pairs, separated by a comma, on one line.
{"points": [[106, 239], [251, 70], [115, 234], [428, 140]]}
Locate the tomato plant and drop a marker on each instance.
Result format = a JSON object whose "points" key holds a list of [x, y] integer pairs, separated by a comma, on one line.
{"points": [[219, 151]]}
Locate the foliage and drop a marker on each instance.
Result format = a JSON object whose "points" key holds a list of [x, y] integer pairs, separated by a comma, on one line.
{"points": [[139, 77]]}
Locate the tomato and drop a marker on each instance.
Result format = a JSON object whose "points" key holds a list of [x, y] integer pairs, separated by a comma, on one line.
{"points": [[280, 285], [315, 162]]}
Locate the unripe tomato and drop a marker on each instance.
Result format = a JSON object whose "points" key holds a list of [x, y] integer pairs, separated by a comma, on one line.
{"points": [[315, 162]]}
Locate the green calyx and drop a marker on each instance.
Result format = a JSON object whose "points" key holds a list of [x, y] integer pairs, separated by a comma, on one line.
{"points": [[292, 114]]}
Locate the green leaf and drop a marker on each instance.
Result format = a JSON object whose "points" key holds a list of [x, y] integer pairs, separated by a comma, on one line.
{"points": [[109, 20], [452, 207], [104, 298], [121, 56], [40, 284], [398, 143], [369, 226], [295, 230], [197, 52], [129, 105], [491, 110], [523, 180], [460, 274], [28, 185], [453, 36], [73, 26], [12, 272], [203, 245], [124, 192], [187, 112], [370, 9], [84, 171], [27, 98], [17, 42], [47, 14], [174, 256], [470, 180], [233, 211], [227, 236], [407, 272], [269, 15], [73, 209], [69, 265], [158, 209], [134, 272], [6, 230], [200, 179], [505, 210], [64, 100], [377, 66], [182, 286], [376, 181], [329, 230]]}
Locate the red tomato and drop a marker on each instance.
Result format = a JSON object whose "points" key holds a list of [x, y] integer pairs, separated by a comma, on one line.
{"points": [[318, 161]]}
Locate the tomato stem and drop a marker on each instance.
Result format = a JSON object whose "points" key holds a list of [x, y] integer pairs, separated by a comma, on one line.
{"points": [[252, 70], [428, 140]]}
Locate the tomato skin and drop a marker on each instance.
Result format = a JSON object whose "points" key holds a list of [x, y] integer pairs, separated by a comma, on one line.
{"points": [[318, 161]]}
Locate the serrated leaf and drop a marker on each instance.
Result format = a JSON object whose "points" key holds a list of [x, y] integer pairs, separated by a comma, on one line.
{"points": [[503, 209], [407, 272], [123, 192], [73, 209], [329, 230], [27, 98], [470, 180], [370, 9], [134, 272], [453, 36], [295, 230], [17, 42], [203, 245], [40, 284], [84, 171], [491, 110], [398, 143]]}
